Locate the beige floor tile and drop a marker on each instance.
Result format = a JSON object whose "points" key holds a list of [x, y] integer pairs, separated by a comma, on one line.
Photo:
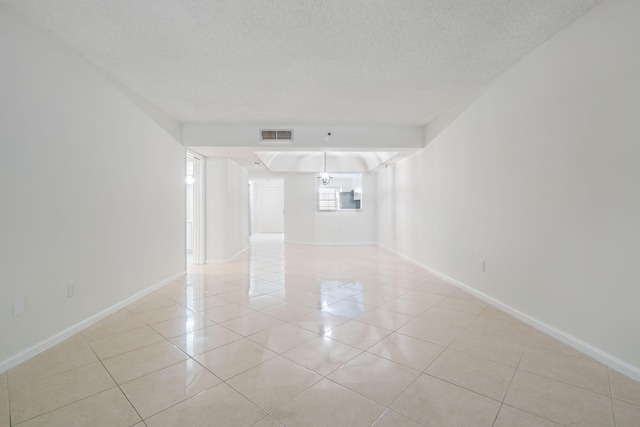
{"points": [[626, 414], [322, 355], [498, 350], [239, 294], [164, 313], [120, 321], [319, 322], [182, 325], [512, 417], [287, 311], [437, 286], [273, 382], [4, 400], [407, 307], [161, 389], [149, 302], [543, 342], [136, 363], [370, 298], [464, 304], [72, 353], [465, 294], [295, 293], [390, 290], [112, 345], [505, 330], [216, 289], [386, 319], [251, 323], [407, 283], [447, 316], [328, 404], [106, 409], [174, 287], [203, 340], [260, 302], [290, 292], [379, 379], [218, 406], [316, 300], [267, 286], [348, 308], [58, 390], [358, 334], [408, 351], [577, 371], [423, 297], [267, 422], [282, 338], [234, 358], [492, 311], [227, 312], [434, 332], [558, 402], [393, 419], [473, 373], [624, 388], [433, 402], [185, 295], [340, 291], [199, 305]]}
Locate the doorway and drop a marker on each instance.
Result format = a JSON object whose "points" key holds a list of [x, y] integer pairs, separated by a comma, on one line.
{"points": [[267, 206], [194, 208]]}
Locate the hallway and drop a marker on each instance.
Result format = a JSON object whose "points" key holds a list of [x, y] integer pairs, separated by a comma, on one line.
{"points": [[299, 335]]}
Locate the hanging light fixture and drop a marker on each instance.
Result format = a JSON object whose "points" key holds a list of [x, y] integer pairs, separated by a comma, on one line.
{"points": [[324, 177]]}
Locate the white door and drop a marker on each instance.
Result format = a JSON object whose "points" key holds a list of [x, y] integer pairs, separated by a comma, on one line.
{"points": [[272, 209]]}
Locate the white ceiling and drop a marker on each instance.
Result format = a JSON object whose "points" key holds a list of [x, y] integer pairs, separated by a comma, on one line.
{"points": [[337, 62]]}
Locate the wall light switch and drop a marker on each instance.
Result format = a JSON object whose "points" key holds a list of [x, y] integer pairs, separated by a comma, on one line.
{"points": [[72, 289], [18, 306]]}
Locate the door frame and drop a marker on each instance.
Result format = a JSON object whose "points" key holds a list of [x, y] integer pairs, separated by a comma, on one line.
{"points": [[199, 205]]}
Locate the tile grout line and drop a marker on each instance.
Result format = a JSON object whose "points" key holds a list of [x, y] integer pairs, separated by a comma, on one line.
{"points": [[513, 377], [613, 411], [6, 373], [515, 371], [116, 383]]}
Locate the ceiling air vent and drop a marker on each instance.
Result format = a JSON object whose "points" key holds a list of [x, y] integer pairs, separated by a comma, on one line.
{"points": [[276, 135]]}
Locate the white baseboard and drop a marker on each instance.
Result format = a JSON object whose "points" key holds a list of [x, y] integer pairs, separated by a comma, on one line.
{"points": [[63, 335], [594, 352], [225, 261]]}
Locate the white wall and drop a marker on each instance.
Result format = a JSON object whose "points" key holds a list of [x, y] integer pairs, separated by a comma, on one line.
{"points": [[540, 177], [92, 191], [300, 208], [266, 212], [227, 210], [305, 224]]}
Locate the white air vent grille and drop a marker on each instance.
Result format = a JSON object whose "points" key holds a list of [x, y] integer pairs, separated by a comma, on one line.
{"points": [[276, 135]]}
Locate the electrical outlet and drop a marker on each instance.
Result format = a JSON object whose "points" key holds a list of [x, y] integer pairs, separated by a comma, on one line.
{"points": [[483, 266], [72, 289], [18, 306]]}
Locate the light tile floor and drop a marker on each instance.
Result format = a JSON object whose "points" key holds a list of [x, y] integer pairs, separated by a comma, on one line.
{"points": [[314, 336]]}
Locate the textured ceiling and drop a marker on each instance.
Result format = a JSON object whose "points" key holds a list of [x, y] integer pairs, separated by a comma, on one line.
{"points": [[303, 61]]}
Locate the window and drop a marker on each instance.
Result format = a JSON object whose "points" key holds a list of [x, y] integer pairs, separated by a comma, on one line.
{"points": [[328, 198], [344, 192]]}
